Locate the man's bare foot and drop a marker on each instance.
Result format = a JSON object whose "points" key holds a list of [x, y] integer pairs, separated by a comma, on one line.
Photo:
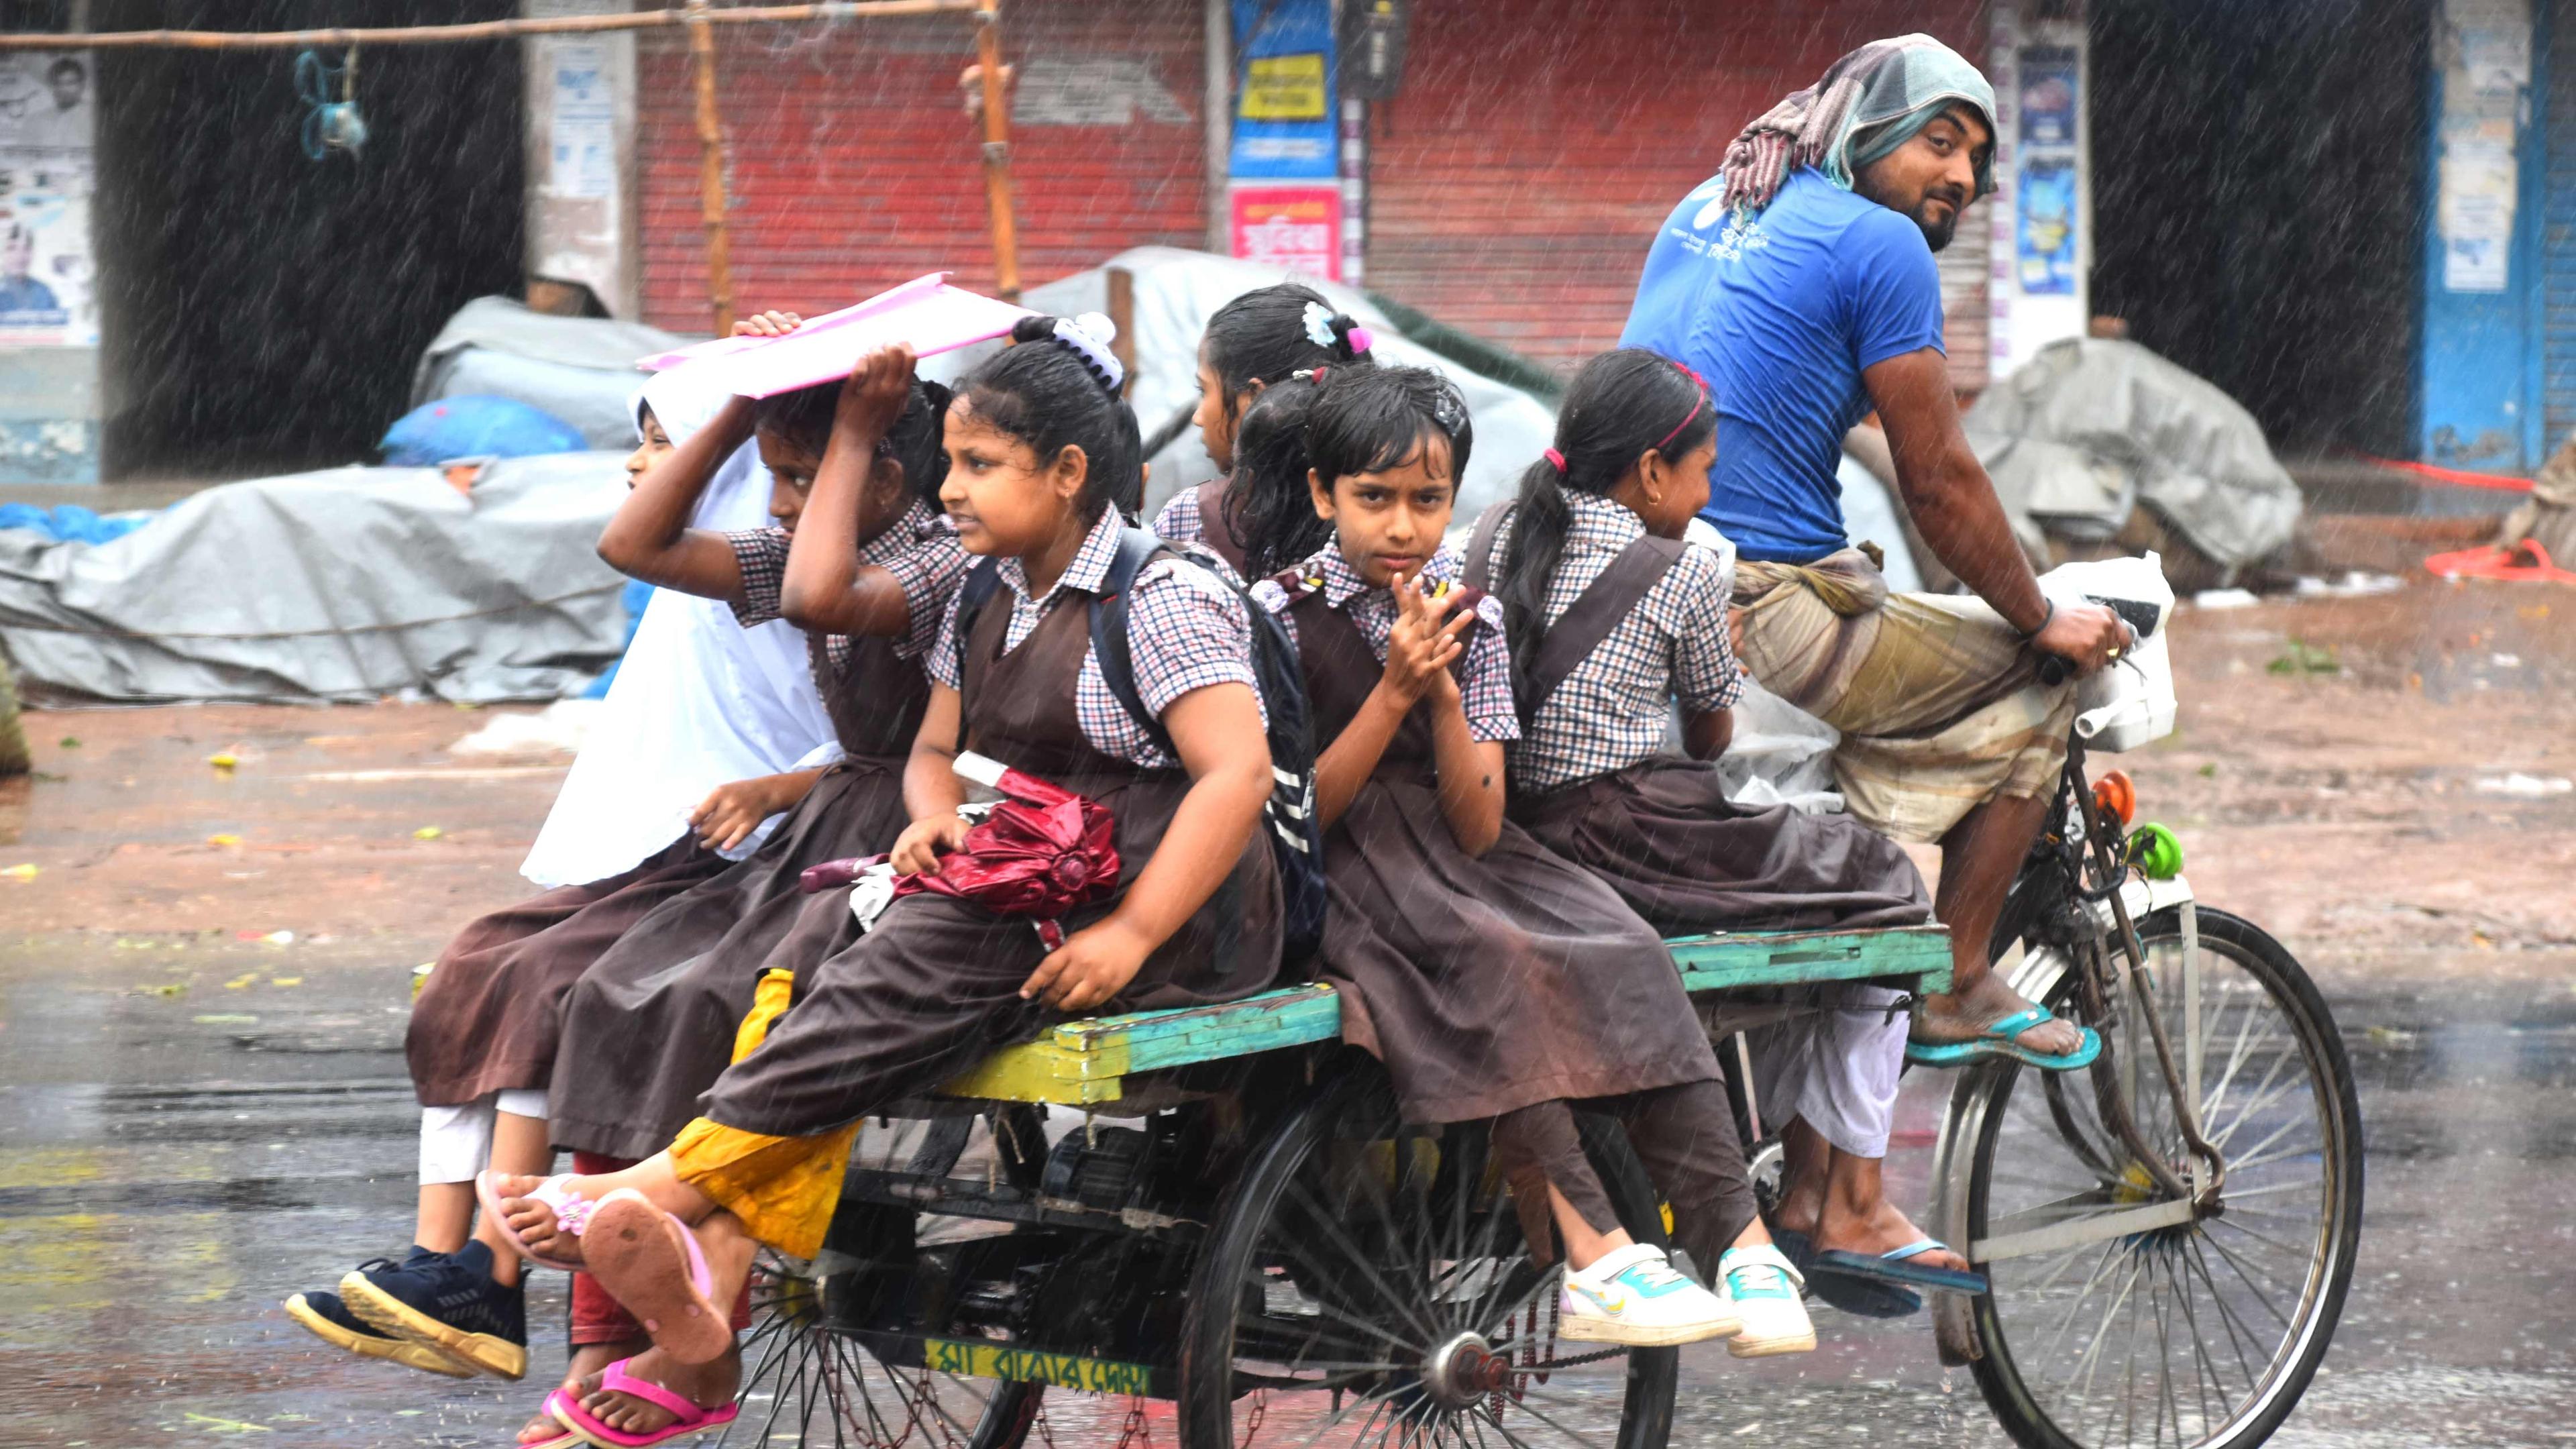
{"points": [[1876, 1232], [581, 1374], [709, 1385], [1964, 1017]]}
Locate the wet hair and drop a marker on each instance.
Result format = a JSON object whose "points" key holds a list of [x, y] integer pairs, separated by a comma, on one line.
{"points": [[1048, 393], [1622, 405], [1370, 419], [1266, 336], [1266, 502], [803, 420]]}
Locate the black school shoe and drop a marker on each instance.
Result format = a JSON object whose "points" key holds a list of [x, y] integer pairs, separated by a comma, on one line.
{"points": [[446, 1302], [330, 1320]]}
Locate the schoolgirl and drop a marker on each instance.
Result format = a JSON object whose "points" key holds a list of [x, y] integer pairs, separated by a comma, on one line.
{"points": [[697, 702], [1038, 445], [869, 566], [1613, 620], [1254, 343], [1492, 978]]}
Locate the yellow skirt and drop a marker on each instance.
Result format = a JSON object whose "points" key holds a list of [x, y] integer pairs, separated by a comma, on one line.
{"points": [[784, 1189]]}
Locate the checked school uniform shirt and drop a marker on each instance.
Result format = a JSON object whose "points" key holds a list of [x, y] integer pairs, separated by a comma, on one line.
{"points": [[1185, 631], [1613, 710], [1484, 670], [920, 549]]}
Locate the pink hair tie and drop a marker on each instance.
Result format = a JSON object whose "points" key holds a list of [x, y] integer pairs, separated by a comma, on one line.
{"points": [[1555, 457], [1359, 339]]}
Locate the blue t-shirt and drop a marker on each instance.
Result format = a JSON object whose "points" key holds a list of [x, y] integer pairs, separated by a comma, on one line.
{"points": [[1780, 312]]}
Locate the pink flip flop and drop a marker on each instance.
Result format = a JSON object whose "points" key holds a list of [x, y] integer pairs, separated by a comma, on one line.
{"points": [[651, 1263], [687, 1418], [572, 1214]]}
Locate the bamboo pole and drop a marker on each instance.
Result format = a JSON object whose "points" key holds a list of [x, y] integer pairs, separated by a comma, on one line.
{"points": [[997, 153], [475, 30], [711, 169]]}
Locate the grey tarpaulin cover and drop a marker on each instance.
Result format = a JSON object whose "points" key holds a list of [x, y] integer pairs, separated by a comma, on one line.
{"points": [[2091, 426], [1175, 291], [581, 369], [342, 585]]}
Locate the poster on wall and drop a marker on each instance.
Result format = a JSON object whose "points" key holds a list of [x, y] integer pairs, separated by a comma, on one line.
{"points": [[1296, 228], [46, 275], [2047, 186], [1283, 87], [2044, 231], [2049, 76], [583, 135]]}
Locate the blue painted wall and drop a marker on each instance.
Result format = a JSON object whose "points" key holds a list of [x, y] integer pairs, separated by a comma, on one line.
{"points": [[2481, 402]]}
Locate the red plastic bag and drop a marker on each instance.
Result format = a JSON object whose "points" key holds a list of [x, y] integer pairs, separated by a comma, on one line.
{"points": [[1043, 851]]}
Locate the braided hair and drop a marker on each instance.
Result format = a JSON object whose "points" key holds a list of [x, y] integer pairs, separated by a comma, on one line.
{"points": [[1057, 388], [1622, 405], [1266, 501]]}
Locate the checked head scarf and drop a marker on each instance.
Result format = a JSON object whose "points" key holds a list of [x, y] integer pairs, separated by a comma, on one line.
{"points": [[1867, 104]]}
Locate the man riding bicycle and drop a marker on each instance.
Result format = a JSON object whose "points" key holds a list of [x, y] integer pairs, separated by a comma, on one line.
{"points": [[1800, 280]]}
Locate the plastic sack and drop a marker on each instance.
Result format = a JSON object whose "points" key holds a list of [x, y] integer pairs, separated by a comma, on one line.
{"points": [[475, 426], [2130, 702]]}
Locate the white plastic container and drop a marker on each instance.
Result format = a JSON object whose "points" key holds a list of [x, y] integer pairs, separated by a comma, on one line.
{"points": [[2130, 702]]}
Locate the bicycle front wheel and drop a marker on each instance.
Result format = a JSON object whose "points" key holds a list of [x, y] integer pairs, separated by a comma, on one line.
{"points": [[2198, 1329]]}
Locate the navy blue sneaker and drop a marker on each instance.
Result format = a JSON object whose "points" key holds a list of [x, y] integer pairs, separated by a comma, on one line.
{"points": [[330, 1320], [446, 1302]]}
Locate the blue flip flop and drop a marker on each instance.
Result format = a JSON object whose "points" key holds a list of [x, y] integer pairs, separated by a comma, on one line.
{"points": [[1899, 1267], [1865, 1298], [1997, 1041]]}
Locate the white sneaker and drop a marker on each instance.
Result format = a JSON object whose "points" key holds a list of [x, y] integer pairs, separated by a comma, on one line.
{"points": [[1635, 1297], [1762, 1289]]}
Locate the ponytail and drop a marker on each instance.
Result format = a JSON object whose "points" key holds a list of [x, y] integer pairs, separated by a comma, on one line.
{"points": [[1622, 405], [1271, 333], [1267, 504]]}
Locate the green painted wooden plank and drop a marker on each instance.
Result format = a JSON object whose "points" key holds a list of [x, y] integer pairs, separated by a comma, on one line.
{"points": [[1796, 958], [1082, 1061]]}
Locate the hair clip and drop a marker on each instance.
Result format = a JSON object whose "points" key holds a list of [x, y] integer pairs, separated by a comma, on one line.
{"points": [[1314, 375], [1360, 339], [1449, 410], [1089, 335], [1318, 320]]}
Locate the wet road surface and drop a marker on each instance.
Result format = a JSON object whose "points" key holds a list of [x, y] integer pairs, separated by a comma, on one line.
{"points": [[194, 1127]]}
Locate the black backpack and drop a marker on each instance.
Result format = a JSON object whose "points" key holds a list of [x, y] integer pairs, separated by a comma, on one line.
{"points": [[1296, 839]]}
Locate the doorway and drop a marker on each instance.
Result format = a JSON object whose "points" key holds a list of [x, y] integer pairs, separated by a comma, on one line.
{"points": [[262, 311], [2258, 202]]}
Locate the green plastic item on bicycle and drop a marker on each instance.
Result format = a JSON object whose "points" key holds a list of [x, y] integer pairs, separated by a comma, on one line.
{"points": [[2155, 851]]}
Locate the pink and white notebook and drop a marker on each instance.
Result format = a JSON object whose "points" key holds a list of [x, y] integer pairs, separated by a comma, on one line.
{"points": [[925, 312]]}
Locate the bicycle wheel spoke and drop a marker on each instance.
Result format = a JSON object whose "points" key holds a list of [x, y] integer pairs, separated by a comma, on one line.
{"points": [[2227, 1316], [1340, 1240]]}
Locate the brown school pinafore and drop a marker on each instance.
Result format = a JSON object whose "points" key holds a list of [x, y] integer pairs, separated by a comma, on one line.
{"points": [[487, 1017], [1216, 530], [652, 1024], [1663, 833], [934, 987], [1484, 983]]}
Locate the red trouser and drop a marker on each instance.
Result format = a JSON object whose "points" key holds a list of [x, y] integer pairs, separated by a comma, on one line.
{"points": [[598, 1318]]}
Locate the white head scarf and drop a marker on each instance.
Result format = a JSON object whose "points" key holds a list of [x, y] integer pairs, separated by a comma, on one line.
{"points": [[698, 701]]}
